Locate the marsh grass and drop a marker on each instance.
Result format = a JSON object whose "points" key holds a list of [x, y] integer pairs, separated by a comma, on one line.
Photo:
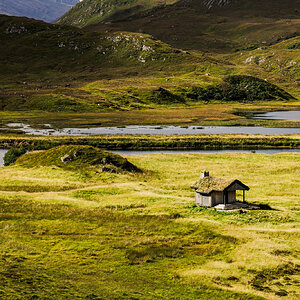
{"points": [[54, 249], [153, 142]]}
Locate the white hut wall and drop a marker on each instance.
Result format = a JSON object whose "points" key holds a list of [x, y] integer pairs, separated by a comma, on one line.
{"points": [[197, 198], [203, 200]]}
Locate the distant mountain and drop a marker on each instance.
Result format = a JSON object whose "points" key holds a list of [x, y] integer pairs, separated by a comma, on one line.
{"points": [[210, 25], [47, 10]]}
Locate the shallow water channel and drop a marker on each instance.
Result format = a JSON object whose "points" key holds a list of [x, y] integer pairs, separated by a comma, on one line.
{"points": [[153, 130], [48, 130], [263, 151], [290, 115], [2, 153]]}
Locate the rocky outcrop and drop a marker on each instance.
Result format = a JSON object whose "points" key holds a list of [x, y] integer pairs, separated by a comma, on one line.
{"points": [[211, 3]]}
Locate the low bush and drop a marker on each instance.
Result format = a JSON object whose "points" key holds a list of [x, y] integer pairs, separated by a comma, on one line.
{"points": [[163, 96], [294, 46], [13, 154], [239, 88]]}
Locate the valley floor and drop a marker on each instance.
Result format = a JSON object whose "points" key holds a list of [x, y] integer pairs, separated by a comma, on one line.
{"points": [[93, 235], [214, 114]]}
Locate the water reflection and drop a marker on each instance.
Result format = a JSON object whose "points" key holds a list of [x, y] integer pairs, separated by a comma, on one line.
{"points": [[263, 151], [290, 115]]}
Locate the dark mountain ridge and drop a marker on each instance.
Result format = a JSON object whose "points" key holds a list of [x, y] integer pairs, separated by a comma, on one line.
{"points": [[219, 26]]}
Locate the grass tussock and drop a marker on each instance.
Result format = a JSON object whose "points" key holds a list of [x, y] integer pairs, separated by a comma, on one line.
{"points": [[75, 156]]}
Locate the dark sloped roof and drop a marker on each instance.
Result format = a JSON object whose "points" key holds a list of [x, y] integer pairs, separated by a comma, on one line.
{"points": [[209, 184]]}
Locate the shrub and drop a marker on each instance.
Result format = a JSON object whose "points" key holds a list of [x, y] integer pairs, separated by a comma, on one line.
{"points": [[12, 155], [239, 88], [163, 96], [294, 46]]}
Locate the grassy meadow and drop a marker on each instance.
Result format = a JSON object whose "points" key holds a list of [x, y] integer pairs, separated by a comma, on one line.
{"points": [[81, 233]]}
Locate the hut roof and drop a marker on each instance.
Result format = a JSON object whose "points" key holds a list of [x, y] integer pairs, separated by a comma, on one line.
{"points": [[209, 184]]}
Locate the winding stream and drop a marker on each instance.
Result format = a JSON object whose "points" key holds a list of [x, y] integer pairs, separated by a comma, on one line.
{"points": [[172, 130]]}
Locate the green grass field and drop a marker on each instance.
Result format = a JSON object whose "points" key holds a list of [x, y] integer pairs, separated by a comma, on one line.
{"points": [[83, 233]]}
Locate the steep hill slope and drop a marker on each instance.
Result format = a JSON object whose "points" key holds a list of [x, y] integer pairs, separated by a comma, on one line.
{"points": [[208, 25], [94, 11], [47, 10], [41, 49]]}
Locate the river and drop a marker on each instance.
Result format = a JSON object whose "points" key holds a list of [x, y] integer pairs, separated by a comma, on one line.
{"points": [[153, 130]]}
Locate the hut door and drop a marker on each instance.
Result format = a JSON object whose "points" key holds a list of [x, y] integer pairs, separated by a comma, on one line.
{"points": [[225, 197]]}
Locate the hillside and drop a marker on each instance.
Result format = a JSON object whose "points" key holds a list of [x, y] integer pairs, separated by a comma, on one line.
{"points": [[281, 58], [36, 49], [94, 11], [43, 65], [47, 10], [198, 24]]}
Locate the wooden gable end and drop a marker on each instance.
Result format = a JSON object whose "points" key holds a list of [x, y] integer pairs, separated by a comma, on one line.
{"points": [[237, 185]]}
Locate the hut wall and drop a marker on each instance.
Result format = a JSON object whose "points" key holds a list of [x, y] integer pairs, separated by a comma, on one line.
{"points": [[217, 198], [203, 200], [197, 198], [231, 196]]}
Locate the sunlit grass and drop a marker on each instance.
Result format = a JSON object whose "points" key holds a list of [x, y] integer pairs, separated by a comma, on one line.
{"points": [[119, 235]]}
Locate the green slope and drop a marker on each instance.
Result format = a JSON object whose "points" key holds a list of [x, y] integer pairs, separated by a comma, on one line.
{"points": [[282, 58], [41, 50], [195, 25], [94, 11]]}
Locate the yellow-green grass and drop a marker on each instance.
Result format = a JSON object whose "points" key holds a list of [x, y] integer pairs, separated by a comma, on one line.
{"points": [[122, 235]]}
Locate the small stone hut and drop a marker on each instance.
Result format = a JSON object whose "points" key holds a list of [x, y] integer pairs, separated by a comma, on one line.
{"points": [[212, 191]]}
